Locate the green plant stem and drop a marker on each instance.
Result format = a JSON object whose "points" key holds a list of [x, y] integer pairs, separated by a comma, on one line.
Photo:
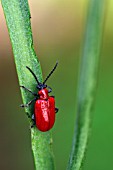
{"points": [[87, 82], [18, 22]]}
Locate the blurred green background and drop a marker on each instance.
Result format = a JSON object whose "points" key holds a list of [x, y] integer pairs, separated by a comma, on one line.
{"points": [[58, 29]]}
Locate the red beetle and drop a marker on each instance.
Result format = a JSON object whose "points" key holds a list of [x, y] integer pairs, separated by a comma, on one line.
{"points": [[44, 114]]}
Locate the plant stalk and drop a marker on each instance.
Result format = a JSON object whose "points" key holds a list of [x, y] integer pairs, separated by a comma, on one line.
{"points": [[18, 16], [87, 82]]}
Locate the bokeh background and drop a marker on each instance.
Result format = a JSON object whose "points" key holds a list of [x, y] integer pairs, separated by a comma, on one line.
{"points": [[58, 29]]}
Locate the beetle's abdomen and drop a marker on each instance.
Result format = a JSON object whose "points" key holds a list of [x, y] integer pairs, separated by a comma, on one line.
{"points": [[45, 114]]}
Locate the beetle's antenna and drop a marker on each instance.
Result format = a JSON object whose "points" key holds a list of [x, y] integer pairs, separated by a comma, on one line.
{"points": [[33, 74], [51, 72]]}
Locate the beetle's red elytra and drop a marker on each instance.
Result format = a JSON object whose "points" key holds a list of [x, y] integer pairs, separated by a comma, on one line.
{"points": [[44, 110]]}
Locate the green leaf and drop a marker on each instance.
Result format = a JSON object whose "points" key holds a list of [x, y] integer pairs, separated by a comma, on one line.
{"points": [[87, 82], [19, 26]]}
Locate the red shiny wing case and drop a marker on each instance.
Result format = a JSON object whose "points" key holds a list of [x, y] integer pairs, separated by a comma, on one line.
{"points": [[45, 113]]}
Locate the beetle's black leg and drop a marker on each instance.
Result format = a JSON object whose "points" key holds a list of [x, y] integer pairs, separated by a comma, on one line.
{"points": [[33, 118], [49, 89], [29, 90], [52, 96], [28, 115], [56, 110], [33, 124], [26, 105]]}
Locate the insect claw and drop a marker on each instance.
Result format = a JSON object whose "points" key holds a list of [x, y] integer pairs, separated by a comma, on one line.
{"points": [[56, 110], [22, 105], [32, 126]]}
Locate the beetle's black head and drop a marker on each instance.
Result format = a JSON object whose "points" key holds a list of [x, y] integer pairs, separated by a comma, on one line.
{"points": [[41, 86]]}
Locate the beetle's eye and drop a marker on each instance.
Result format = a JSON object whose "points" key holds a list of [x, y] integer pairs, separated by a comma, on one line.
{"points": [[38, 87], [45, 85]]}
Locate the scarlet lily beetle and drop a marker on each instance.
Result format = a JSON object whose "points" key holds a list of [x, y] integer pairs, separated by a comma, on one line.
{"points": [[44, 111]]}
